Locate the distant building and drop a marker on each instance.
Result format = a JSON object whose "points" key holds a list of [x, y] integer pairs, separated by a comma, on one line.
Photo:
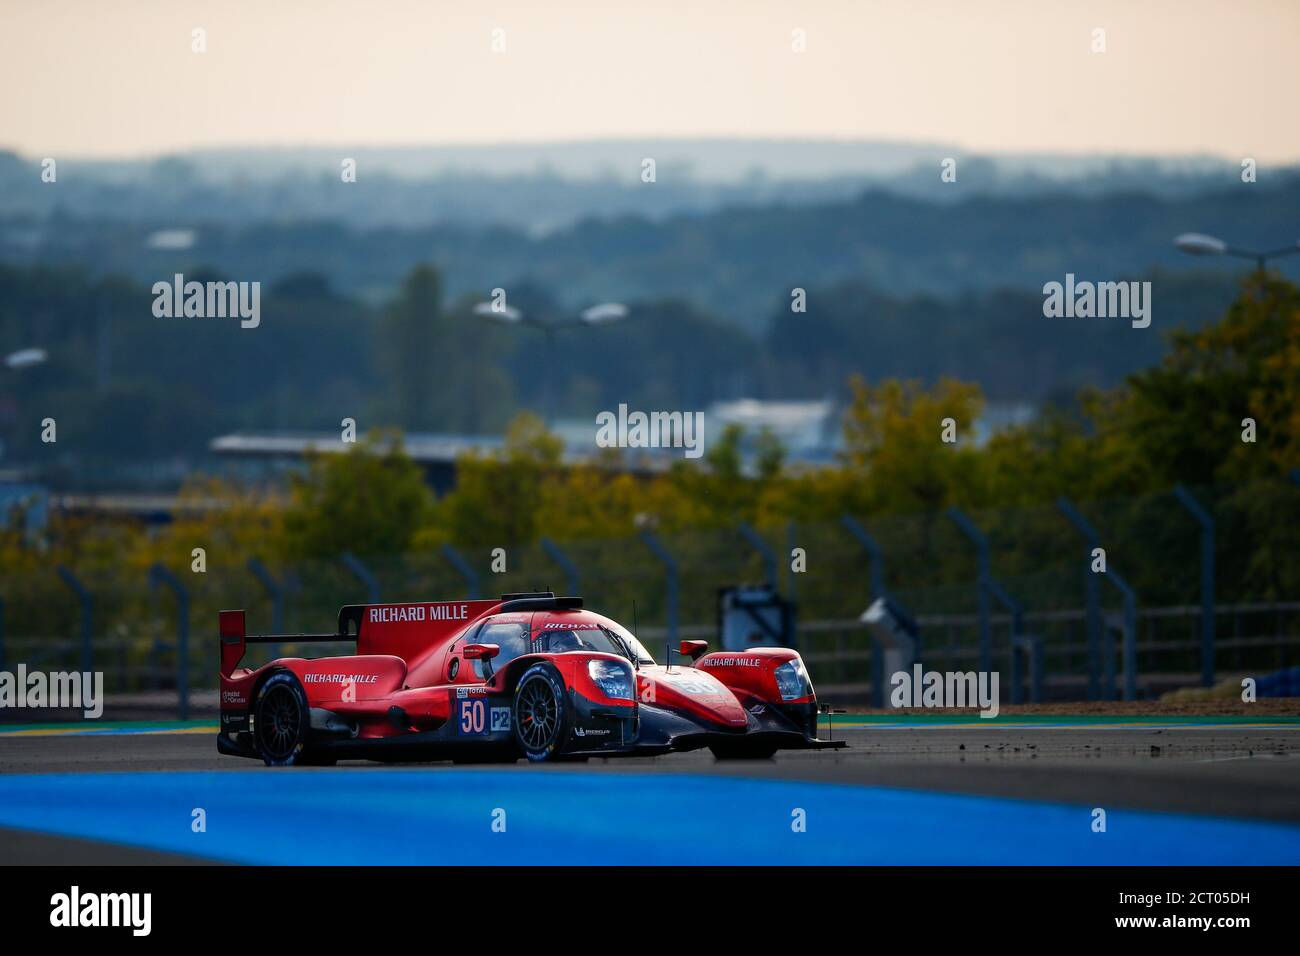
{"points": [[436, 453], [811, 432], [23, 506]]}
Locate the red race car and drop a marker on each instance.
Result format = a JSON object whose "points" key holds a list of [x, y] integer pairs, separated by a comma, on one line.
{"points": [[531, 674]]}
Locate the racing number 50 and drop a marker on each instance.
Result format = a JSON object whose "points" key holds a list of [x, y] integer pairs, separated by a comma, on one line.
{"points": [[473, 716]]}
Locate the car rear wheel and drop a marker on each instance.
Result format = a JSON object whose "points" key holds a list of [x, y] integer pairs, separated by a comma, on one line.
{"points": [[541, 713], [281, 721]]}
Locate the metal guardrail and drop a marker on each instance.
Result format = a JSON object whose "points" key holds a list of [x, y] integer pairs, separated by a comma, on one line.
{"points": [[137, 664]]}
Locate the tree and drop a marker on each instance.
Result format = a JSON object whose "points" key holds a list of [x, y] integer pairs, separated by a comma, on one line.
{"points": [[370, 500], [1183, 418], [410, 353], [893, 435], [498, 498]]}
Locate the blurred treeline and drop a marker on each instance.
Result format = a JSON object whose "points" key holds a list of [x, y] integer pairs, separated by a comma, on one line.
{"points": [[1116, 452], [733, 260], [127, 388]]}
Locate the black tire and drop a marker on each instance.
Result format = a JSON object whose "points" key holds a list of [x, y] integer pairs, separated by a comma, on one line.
{"points": [[744, 751], [281, 721], [541, 713]]}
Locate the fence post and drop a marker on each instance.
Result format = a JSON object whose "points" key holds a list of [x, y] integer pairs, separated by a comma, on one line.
{"points": [[1019, 643], [670, 583], [874, 554], [768, 555], [1206, 521], [362, 574], [466, 570], [556, 554], [87, 610], [791, 535], [876, 559], [983, 575], [1130, 633], [275, 591], [1092, 597], [159, 575]]}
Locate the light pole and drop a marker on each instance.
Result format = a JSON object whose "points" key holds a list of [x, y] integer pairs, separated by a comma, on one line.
{"points": [[1199, 244], [602, 314], [20, 360], [25, 358]]}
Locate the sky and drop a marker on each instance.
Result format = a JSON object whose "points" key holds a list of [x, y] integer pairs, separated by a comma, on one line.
{"points": [[119, 78]]}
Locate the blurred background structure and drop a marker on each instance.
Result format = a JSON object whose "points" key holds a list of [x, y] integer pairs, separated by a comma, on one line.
{"points": [[151, 631], [733, 227]]}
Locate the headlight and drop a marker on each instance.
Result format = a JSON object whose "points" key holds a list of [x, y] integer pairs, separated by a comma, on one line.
{"points": [[792, 680], [611, 677]]}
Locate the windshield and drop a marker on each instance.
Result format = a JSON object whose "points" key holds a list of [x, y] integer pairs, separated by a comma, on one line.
{"points": [[579, 637], [635, 651], [606, 638]]}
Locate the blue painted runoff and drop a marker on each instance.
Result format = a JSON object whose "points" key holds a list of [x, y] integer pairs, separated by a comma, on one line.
{"points": [[462, 817]]}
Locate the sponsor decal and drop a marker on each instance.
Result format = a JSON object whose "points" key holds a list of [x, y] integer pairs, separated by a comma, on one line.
{"points": [[403, 613], [234, 697], [339, 678], [462, 692], [553, 625], [581, 732], [732, 662], [688, 684]]}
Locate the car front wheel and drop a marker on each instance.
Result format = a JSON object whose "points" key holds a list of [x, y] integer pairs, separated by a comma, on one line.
{"points": [[541, 713]]}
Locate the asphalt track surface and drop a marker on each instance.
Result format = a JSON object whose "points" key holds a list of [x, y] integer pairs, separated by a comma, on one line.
{"points": [[1209, 791]]}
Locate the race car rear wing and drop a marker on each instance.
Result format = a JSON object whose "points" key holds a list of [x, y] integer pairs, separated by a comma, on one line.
{"points": [[235, 638]]}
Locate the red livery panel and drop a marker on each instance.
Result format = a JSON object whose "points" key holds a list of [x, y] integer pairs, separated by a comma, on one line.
{"points": [[528, 675]]}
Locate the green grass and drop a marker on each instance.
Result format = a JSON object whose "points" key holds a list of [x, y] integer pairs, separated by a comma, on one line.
{"points": [[115, 725]]}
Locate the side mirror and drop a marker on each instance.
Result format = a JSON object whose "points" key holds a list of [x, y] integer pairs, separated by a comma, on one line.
{"points": [[481, 652], [693, 649]]}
